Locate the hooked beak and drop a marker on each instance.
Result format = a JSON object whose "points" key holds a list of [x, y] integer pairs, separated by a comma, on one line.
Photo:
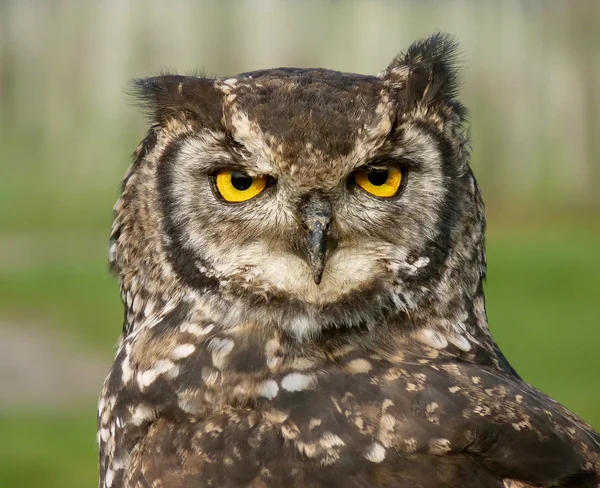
{"points": [[317, 247], [316, 216]]}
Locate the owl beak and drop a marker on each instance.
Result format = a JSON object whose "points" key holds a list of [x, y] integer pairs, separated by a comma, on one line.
{"points": [[316, 216], [317, 247]]}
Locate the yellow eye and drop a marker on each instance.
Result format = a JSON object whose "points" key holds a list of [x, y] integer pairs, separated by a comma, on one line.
{"points": [[383, 183], [235, 186]]}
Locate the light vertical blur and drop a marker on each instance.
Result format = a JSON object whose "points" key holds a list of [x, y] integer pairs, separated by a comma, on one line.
{"points": [[531, 75]]}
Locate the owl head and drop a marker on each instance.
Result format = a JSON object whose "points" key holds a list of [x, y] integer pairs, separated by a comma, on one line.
{"points": [[304, 199]]}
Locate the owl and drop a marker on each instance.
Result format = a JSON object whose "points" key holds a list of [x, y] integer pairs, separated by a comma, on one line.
{"points": [[301, 256]]}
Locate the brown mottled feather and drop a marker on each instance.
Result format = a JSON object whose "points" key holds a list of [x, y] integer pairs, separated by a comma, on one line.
{"points": [[236, 369]]}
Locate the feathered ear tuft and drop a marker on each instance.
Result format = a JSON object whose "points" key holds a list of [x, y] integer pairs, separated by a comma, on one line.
{"points": [[169, 96], [427, 73]]}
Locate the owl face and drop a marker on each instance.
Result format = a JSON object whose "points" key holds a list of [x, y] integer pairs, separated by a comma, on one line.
{"points": [[326, 193]]}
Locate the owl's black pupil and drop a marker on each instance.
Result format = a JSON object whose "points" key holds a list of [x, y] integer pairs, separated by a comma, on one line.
{"points": [[378, 177], [240, 181]]}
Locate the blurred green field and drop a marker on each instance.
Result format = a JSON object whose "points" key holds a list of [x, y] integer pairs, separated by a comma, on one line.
{"points": [[542, 302]]}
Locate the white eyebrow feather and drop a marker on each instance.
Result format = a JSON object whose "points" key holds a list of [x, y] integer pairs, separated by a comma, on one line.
{"points": [[204, 151]]}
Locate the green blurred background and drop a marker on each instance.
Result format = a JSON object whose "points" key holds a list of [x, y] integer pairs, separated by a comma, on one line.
{"points": [[531, 80]]}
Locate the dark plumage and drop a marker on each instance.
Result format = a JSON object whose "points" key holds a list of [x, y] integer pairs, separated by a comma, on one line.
{"points": [[317, 334]]}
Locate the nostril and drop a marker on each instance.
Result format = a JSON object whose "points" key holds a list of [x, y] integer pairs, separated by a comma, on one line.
{"points": [[315, 208]]}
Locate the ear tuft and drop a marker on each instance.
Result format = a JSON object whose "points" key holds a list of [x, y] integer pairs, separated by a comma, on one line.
{"points": [[428, 72], [169, 96]]}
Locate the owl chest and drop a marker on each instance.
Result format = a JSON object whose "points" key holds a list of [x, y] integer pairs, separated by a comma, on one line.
{"points": [[323, 423], [365, 397], [372, 408], [383, 425]]}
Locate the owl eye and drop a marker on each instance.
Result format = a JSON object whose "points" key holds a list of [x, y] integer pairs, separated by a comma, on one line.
{"points": [[383, 183], [235, 186]]}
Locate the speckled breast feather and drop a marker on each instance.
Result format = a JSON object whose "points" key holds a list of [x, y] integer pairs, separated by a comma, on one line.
{"points": [[239, 365]]}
